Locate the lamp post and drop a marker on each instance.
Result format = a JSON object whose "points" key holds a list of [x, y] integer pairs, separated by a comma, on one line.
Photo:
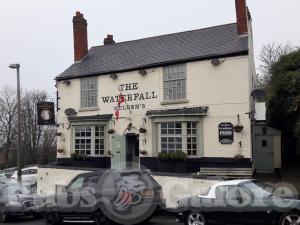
{"points": [[19, 153]]}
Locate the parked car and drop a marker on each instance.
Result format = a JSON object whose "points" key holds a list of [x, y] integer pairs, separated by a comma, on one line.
{"points": [[2, 175], [122, 197], [9, 171], [239, 202], [16, 200], [29, 174]]}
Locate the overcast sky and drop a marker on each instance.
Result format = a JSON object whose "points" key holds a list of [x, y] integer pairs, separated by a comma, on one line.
{"points": [[38, 34]]}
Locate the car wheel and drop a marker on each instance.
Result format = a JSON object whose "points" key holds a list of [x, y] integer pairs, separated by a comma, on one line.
{"points": [[195, 218], [100, 218], [290, 218], [51, 218], [3, 216], [37, 216]]}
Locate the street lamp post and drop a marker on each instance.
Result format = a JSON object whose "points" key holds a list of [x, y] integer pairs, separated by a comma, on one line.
{"points": [[19, 152]]}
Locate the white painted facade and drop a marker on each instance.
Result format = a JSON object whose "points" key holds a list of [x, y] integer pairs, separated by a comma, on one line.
{"points": [[225, 89]]}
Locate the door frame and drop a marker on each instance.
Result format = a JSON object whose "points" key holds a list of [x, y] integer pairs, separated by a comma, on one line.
{"points": [[137, 136]]}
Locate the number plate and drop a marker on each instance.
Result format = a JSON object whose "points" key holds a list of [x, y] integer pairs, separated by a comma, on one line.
{"points": [[148, 193]]}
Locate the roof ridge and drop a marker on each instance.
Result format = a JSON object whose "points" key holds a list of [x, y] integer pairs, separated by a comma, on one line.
{"points": [[181, 32]]}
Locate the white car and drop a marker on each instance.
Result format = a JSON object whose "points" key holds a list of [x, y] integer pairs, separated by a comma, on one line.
{"points": [[29, 174]]}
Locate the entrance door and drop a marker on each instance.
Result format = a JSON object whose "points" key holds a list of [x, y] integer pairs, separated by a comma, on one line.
{"points": [[132, 151], [264, 154], [118, 160]]}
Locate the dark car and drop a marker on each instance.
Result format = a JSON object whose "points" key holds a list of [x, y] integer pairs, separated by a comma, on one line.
{"points": [[122, 197], [16, 200], [239, 202]]}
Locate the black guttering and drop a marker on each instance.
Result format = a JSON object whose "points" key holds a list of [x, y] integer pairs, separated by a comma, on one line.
{"points": [[156, 65]]}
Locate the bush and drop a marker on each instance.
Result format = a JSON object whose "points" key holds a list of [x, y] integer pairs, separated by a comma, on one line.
{"points": [[81, 157], [175, 155]]}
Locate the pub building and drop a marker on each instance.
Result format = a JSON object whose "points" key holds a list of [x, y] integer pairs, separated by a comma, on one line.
{"points": [[123, 104]]}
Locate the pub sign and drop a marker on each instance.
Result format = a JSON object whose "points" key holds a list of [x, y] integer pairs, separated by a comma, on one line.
{"points": [[226, 133], [46, 113]]}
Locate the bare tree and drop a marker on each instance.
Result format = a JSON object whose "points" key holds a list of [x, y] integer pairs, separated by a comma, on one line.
{"points": [[8, 103], [269, 55]]}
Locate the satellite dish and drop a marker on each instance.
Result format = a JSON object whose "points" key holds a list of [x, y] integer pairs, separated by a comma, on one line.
{"points": [[70, 112]]}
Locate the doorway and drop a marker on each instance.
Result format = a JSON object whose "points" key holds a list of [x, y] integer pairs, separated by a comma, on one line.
{"points": [[132, 151]]}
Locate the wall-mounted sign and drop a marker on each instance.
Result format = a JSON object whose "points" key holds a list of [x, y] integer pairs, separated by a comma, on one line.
{"points": [[70, 112], [135, 99], [46, 115], [226, 133]]}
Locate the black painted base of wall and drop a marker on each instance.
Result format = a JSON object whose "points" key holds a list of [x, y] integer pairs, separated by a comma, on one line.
{"points": [[192, 165], [156, 165], [100, 162]]}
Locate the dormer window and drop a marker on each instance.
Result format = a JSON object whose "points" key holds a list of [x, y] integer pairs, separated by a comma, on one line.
{"points": [[88, 92]]}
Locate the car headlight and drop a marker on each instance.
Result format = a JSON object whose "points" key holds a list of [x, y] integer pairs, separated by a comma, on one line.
{"points": [[177, 204]]}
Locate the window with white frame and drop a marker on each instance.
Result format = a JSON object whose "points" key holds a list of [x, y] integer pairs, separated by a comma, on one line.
{"points": [[192, 139], [175, 82], [88, 92], [89, 140], [171, 136], [179, 136]]}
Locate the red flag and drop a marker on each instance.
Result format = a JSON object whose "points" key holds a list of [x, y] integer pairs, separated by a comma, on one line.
{"points": [[121, 99], [117, 114]]}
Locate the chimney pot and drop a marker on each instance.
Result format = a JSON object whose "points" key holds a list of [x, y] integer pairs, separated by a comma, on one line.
{"points": [[80, 36], [109, 39], [242, 16]]}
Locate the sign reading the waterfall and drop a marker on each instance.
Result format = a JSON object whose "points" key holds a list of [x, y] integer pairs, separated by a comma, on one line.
{"points": [[134, 99], [226, 133]]}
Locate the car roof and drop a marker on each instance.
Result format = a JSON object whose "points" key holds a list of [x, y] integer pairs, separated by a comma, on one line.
{"points": [[30, 168], [232, 182]]}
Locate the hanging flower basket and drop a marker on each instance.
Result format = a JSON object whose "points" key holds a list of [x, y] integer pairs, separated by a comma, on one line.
{"points": [[60, 150], [143, 152], [142, 130], [239, 157], [111, 131], [238, 128]]}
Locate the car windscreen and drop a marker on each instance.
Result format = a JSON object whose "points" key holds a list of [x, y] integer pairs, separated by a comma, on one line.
{"points": [[15, 189], [259, 189]]}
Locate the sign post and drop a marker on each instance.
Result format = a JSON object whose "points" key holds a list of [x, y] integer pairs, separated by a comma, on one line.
{"points": [[46, 113]]}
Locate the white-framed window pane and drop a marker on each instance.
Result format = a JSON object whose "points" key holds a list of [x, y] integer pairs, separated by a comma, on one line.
{"points": [[83, 140], [175, 82], [99, 139], [192, 139], [171, 136], [89, 140], [88, 92]]}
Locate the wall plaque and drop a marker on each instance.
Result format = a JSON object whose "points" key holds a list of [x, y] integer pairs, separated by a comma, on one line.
{"points": [[226, 133]]}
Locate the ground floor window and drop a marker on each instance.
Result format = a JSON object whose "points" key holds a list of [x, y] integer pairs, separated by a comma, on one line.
{"points": [[179, 136], [89, 140]]}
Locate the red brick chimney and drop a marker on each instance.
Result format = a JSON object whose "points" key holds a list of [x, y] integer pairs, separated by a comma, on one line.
{"points": [[80, 36], [109, 40], [241, 16]]}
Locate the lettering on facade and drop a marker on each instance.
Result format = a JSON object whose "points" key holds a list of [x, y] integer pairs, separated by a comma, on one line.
{"points": [[226, 133], [125, 90]]}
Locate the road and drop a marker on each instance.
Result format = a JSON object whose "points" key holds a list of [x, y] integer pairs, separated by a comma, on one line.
{"points": [[168, 220], [159, 220]]}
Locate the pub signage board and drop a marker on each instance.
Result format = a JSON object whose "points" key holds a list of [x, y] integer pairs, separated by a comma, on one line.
{"points": [[46, 113], [226, 133]]}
